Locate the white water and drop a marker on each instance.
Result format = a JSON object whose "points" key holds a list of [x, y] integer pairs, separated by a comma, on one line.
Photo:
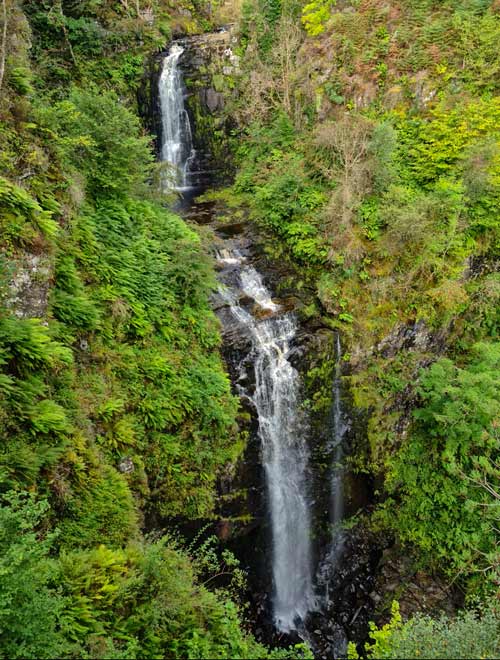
{"points": [[177, 138], [284, 451]]}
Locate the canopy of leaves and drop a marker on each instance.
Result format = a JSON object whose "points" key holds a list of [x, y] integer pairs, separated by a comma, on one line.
{"points": [[470, 635], [446, 476]]}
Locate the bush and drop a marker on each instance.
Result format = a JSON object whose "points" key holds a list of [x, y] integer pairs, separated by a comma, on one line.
{"points": [[446, 476], [101, 139], [30, 609], [469, 635]]}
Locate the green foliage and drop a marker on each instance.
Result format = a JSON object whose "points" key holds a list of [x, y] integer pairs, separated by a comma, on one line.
{"points": [[104, 512], [101, 139], [30, 609], [469, 635], [446, 475], [315, 14], [27, 412], [114, 404], [131, 288], [437, 144], [151, 284], [140, 601], [145, 600], [381, 638], [272, 10], [284, 198], [22, 217], [20, 80]]}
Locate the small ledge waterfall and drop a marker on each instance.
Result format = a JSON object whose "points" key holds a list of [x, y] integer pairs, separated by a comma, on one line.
{"points": [[340, 428], [177, 138], [285, 454]]}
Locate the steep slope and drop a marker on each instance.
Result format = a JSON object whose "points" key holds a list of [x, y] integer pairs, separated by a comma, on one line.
{"points": [[370, 162], [115, 407]]}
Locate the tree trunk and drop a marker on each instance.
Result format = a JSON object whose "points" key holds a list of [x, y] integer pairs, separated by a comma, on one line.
{"points": [[65, 31]]}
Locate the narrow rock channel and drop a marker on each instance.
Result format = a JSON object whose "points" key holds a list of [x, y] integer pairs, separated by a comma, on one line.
{"points": [[313, 589]]}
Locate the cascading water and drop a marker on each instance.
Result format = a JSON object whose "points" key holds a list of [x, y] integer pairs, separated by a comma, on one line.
{"points": [[177, 138], [340, 427], [321, 602], [284, 451]]}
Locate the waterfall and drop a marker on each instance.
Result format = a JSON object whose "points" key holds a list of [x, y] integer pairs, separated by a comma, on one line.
{"points": [[177, 138], [285, 454], [340, 427]]}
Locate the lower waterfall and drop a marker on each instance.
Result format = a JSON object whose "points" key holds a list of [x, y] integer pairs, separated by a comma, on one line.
{"points": [[285, 455]]}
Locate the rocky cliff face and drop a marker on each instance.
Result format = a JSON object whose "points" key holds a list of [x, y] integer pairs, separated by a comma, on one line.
{"points": [[29, 286]]}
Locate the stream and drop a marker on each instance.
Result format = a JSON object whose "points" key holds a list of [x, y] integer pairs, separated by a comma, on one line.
{"points": [[312, 583]]}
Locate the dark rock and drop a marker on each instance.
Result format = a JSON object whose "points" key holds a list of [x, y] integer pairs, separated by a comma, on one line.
{"points": [[213, 100]]}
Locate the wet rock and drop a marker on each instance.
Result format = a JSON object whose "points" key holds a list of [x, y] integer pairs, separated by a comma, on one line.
{"points": [[29, 286], [262, 313], [232, 229], [213, 100], [416, 336], [415, 590], [126, 465], [207, 64], [345, 581]]}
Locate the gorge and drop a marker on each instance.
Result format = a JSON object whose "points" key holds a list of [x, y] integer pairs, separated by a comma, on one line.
{"points": [[274, 392], [249, 321]]}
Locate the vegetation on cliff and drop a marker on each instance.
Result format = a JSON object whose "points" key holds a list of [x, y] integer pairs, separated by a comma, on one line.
{"points": [[114, 405], [371, 152], [369, 157]]}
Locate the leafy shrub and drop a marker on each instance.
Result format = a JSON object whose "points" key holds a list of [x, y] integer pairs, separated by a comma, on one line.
{"points": [[22, 216], [469, 635], [446, 475], [103, 513], [30, 608], [99, 137], [315, 14]]}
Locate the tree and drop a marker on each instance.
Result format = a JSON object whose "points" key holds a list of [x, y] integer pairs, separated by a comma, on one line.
{"points": [[102, 139], [29, 608], [447, 475], [344, 160]]}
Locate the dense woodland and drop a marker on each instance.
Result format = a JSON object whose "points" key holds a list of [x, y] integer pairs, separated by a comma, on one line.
{"points": [[366, 149]]}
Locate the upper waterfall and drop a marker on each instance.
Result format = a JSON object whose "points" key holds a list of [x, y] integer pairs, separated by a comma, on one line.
{"points": [[177, 138]]}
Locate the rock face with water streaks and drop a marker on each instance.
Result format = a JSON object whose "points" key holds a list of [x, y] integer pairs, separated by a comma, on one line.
{"points": [[207, 66]]}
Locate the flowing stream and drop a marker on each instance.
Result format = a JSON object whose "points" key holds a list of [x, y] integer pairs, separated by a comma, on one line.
{"points": [[177, 138], [285, 454]]}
